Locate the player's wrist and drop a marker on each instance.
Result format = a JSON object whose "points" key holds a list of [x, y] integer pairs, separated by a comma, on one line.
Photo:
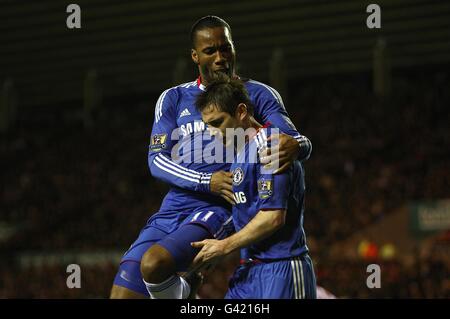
{"points": [[305, 148], [204, 184], [227, 246]]}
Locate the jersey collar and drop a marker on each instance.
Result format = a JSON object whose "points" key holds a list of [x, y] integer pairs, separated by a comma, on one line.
{"points": [[199, 83]]}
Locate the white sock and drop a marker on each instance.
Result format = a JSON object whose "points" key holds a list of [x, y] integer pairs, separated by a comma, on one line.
{"points": [[174, 287]]}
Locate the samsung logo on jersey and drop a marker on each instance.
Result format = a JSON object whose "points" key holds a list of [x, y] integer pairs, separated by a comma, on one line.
{"points": [[192, 127]]}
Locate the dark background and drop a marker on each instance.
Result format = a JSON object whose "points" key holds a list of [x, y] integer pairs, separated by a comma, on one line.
{"points": [[77, 108]]}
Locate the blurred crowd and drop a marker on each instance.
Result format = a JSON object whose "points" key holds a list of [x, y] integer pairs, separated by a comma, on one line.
{"points": [[67, 188], [417, 278], [372, 154]]}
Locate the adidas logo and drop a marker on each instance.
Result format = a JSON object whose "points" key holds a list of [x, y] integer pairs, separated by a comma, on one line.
{"points": [[185, 113]]}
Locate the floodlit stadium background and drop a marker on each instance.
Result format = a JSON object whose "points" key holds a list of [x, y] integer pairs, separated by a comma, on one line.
{"points": [[76, 111]]}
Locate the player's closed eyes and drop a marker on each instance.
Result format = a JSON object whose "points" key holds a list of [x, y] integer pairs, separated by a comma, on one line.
{"points": [[216, 123]]}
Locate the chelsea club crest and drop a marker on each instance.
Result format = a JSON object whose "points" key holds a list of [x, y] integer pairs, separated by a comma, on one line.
{"points": [[238, 176]]}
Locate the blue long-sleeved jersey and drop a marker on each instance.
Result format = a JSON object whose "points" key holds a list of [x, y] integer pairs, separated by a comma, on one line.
{"points": [[182, 152], [256, 188]]}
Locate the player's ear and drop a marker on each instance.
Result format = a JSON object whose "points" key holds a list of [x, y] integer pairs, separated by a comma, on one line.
{"points": [[194, 56], [241, 111]]}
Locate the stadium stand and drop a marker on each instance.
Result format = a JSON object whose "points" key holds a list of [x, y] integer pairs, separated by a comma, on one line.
{"points": [[71, 189]]}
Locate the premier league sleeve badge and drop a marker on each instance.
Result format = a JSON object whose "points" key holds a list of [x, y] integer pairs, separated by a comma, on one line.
{"points": [[158, 142], [265, 188]]}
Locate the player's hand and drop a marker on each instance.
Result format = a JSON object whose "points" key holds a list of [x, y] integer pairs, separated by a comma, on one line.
{"points": [[284, 151], [211, 251], [222, 184]]}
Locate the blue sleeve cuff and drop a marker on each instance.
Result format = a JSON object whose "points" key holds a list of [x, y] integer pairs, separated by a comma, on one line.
{"points": [[204, 183], [305, 147]]}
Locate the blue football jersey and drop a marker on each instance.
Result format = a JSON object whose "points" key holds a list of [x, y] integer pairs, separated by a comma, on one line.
{"points": [[182, 151], [256, 188]]}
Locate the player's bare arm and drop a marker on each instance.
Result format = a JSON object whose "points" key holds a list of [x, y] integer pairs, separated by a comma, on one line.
{"points": [[264, 224]]}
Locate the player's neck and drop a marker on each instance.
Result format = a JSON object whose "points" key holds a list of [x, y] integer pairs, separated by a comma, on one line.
{"points": [[248, 123], [251, 123]]}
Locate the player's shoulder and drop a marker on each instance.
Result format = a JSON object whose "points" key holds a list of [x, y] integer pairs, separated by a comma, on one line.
{"points": [[188, 86], [178, 90], [257, 87], [172, 97], [262, 141], [265, 132]]}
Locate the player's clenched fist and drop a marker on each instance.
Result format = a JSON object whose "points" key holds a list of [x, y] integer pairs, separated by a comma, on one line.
{"points": [[222, 184]]}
